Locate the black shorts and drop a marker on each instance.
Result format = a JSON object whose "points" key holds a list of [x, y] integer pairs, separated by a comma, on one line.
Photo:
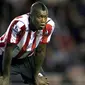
{"points": [[25, 67]]}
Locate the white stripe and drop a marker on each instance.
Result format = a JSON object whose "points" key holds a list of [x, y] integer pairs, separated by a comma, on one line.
{"points": [[48, 39], [17, 29], [13, 39], [31, 41]]}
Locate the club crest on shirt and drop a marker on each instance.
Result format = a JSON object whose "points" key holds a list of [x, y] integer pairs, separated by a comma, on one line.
{"points": [[46, 32]]}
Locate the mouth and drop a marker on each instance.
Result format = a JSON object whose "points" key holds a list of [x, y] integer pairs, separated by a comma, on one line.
{"points": [[42, 25]]}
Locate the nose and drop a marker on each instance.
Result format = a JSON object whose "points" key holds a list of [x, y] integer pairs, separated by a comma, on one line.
{"points": [[43, 20]]}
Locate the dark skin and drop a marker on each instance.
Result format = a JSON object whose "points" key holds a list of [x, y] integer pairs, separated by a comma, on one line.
{"points": [[39, 21], [7, 63], [40, 54]]}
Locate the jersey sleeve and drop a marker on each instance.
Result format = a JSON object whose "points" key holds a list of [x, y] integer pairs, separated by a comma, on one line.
{"points": [[15, 32], [47, 32]]}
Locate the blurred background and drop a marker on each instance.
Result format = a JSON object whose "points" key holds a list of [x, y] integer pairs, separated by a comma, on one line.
{"points": [[65, 57]]}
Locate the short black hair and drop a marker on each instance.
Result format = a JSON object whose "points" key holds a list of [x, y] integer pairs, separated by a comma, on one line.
{"points": [[38, 6]]}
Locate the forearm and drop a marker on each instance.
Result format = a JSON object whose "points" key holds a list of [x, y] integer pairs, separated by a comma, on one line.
{"points": [[6, 64], [7, 61], [39, 58]]}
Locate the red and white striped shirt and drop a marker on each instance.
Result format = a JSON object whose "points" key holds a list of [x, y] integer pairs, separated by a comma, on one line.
{"points": [[19, 33]]}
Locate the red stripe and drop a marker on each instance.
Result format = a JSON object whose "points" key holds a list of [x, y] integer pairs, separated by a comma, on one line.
{"points": [[10, 31], [23, 49], [34, 42], [45, 37], [2, 44], [27, 41]]}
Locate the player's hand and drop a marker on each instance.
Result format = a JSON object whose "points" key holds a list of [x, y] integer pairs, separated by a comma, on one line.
{"points": [[1, 80], [6, 81], [41, 80]]}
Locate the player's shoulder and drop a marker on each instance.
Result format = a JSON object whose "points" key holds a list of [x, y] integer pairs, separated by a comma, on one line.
{"points": [[22, 19], [50, 21]]}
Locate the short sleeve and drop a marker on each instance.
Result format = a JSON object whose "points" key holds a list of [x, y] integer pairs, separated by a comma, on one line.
{"points": [[15, 32], [47, 32]]}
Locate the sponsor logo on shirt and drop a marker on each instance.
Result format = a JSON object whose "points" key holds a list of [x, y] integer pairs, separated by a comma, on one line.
{"points": [[15, 30]]}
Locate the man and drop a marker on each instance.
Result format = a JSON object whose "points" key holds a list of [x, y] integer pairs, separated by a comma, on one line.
{"points": [[25, 45]]}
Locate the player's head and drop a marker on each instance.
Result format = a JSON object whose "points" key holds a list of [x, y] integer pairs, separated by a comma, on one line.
{"points": [[38, 15]]}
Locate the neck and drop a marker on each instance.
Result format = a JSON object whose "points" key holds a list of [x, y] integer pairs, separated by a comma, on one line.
{"points": [[31, 25]]}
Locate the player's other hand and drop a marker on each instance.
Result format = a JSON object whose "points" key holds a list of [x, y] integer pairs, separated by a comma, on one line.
{"points": [[1, 80], [41, 80]]}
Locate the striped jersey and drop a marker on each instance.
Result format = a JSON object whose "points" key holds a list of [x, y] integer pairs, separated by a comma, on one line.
{"points": [[26, 40]]}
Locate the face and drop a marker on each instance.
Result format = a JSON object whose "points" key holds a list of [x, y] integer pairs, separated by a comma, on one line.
{"points": [[39, 19]]}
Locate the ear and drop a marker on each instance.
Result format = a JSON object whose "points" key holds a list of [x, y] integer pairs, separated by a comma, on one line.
{"points": [[30, 14], [31, 17]]}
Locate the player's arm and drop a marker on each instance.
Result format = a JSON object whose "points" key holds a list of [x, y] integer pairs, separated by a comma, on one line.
{"points": [[39, 58], [41, 50], [14, 35], [7, 63], [40, 79]]}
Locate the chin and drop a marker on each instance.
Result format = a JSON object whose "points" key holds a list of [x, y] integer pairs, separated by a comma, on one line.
{"points": [[40, 28]]}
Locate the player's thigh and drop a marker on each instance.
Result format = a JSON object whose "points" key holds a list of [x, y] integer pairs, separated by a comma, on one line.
{"points": [[15, 70], [27, 70]]}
